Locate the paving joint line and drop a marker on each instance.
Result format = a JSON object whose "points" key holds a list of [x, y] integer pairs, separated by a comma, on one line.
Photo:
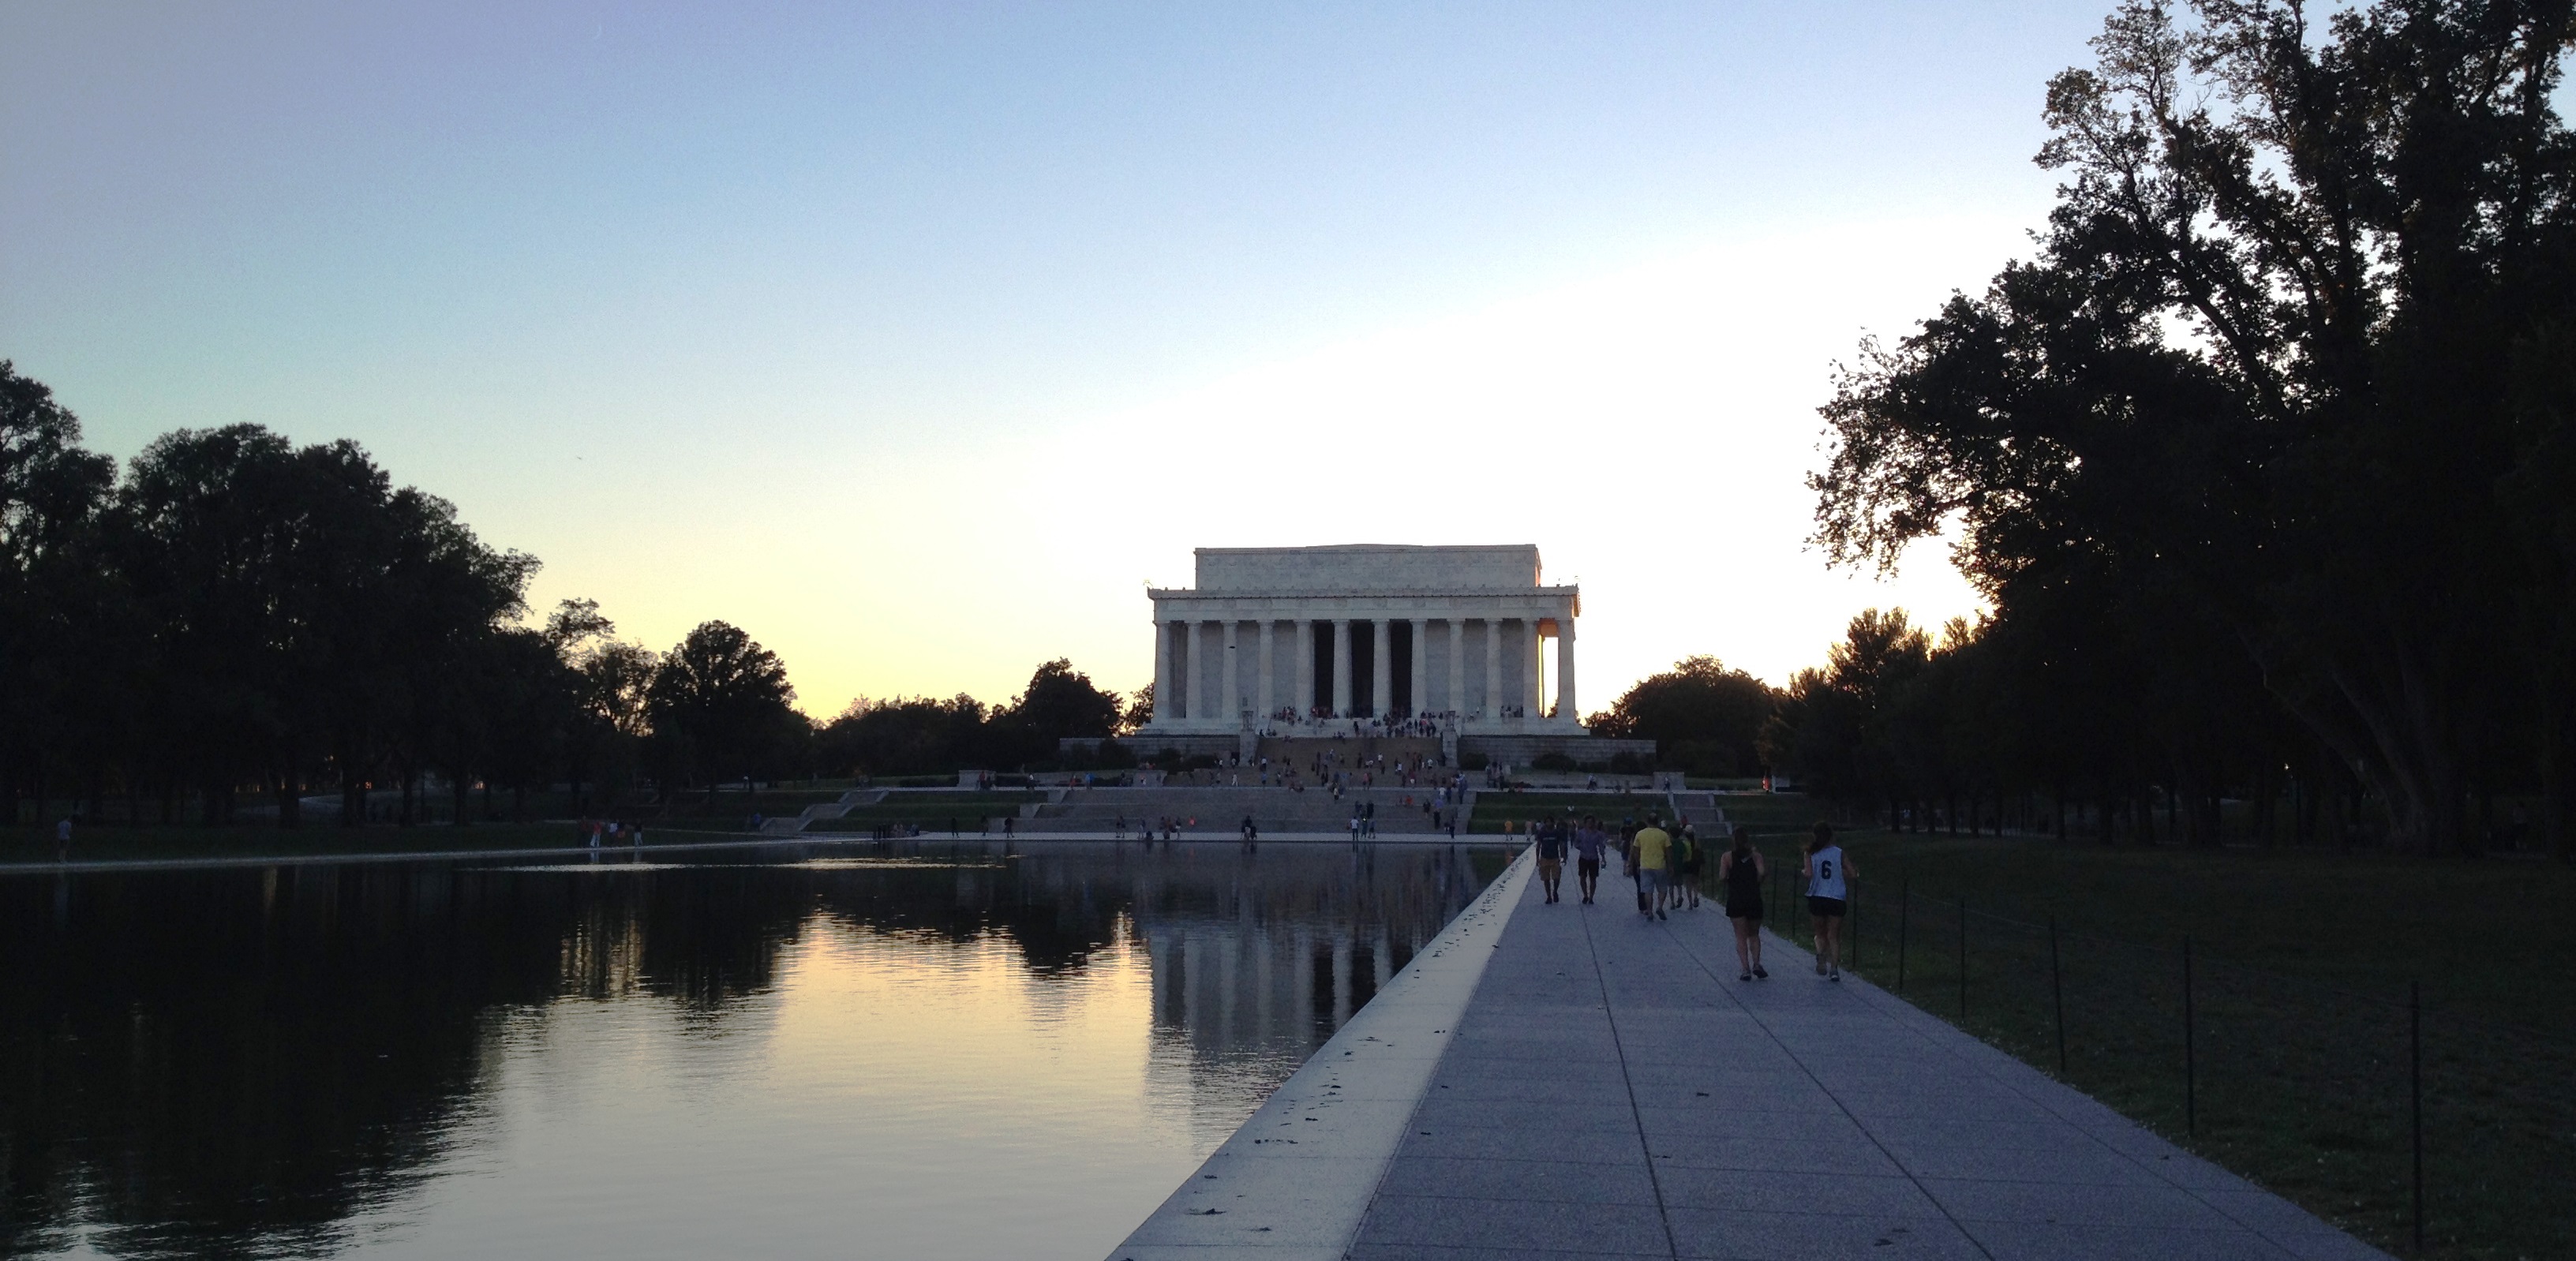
{"points": [[1663, 1212], [2150, 1170], [1818, 1082]]}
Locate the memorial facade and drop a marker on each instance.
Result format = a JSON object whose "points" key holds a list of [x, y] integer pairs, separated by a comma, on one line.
{"points": [[1291, 640]]}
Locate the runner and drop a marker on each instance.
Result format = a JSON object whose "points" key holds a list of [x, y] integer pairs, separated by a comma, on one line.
{"points": [[1551, 858], [1654, 850], [1826, 871], [1741, 871], [1588, 844]]}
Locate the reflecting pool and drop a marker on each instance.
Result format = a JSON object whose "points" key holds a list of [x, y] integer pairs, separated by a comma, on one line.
{"points": [[902, 1050]]}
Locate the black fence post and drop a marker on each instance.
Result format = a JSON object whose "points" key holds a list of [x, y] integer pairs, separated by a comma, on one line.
{"points": [[2415, 1096], [2057, 994], [2190, 1066], [1904, 909], [1963, 958]]}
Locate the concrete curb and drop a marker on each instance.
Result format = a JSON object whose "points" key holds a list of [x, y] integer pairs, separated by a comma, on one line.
{"points": [[1295, 1181]]}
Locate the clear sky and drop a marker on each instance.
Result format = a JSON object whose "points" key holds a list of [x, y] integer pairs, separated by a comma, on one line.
{"points": [[917, 339]]}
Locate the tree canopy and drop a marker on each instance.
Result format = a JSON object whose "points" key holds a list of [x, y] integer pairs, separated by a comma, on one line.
{"points": [[2275, 424], [1701, 715]]}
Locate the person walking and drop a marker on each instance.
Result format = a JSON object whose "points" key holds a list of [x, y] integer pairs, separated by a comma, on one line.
{"points": [[1740, 871], [1827, 874], [62, 839], [1654, 854], [1588, 844], [1686, 854], [1551, 858]]}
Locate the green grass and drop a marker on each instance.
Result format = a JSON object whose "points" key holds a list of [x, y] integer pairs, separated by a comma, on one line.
{"points": [[1494, 806], [2299, 989]]}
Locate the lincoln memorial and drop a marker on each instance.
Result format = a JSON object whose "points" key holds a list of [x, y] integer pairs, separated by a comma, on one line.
{"points": [[1288, 640]]}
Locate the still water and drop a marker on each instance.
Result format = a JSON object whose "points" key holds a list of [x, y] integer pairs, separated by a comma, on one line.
{"points": [[904, 1050]]}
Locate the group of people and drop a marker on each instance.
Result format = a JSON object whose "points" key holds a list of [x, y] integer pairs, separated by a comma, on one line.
{"points": [[1667, 867], [598, 832]]}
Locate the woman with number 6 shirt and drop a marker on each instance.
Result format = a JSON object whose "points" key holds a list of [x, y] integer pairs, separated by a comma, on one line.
{"points": [[1827, 872]]}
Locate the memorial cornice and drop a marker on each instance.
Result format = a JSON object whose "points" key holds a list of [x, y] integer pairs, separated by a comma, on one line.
{"points": [[1425, 593]]}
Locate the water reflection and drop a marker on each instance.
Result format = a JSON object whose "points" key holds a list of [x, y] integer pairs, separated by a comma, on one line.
{"points": [[899, 1050]]}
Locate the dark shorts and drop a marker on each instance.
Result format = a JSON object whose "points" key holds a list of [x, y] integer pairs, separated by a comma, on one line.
{"points": [[1825, 908], [1587, 866], [1690, 866], [1749, 908]]}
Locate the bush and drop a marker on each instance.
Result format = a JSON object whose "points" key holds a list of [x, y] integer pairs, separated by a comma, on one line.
{"points": [[1553, 762]]}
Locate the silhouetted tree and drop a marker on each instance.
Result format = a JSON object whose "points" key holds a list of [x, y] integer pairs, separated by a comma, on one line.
{"points": [[1702, 716], [2266, 365]]}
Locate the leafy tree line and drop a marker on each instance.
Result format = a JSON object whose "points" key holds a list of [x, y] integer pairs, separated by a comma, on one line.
{"points": [[2265, 461], [232, 616]]}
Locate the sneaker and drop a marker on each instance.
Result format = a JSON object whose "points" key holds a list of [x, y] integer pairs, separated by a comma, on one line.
{"points": [[1837, 976], [1759, 974], [1746, 977], [1659, 914]]}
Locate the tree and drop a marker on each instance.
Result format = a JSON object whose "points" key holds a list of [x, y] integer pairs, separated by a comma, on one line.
{"points": [[1059, 702], [2266, 362], [56, 635], [1702, 716], [1832, 730], [1139, 711], [724, 703]]}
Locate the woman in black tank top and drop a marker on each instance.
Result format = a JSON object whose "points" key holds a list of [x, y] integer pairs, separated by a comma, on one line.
{"points": [[1741, 871]]}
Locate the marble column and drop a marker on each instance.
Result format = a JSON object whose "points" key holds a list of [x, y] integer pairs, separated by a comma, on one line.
{"points": [[1530, 650], [1268, 690], [1305, 665], [1457, 701], [1197, 644], [1231, 695], [1382, 668], [1341, 667], [1165, 704], [1421, 665], [1493, 707], [1565, 709]]}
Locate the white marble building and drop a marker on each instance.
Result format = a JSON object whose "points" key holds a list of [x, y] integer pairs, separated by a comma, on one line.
{"points": [[1284, 639]]}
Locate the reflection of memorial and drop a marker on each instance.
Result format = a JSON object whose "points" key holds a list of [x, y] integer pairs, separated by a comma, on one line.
{"points": [[239, 1061]]}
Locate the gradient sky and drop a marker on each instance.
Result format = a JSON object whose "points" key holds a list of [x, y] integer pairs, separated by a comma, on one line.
{"points": [[917, 339]]}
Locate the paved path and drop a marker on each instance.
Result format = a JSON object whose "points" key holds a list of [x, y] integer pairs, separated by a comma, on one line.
{"points": [[1613, 1090]]}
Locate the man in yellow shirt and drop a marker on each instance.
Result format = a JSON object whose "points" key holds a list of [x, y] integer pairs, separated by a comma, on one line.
{"points": [[1654, 850]]}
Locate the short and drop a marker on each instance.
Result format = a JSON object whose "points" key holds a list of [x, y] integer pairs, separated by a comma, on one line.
{"points": [[1747, 908], [1825, 908], [1550, 868], [1690, 866], [1588, 868], [1650, 879]]}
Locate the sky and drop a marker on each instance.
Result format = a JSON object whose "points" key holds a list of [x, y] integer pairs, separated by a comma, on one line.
{"points": [[917, 340]]}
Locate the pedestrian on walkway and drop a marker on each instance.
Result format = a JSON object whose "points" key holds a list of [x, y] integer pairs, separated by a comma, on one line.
{"points": [[1686, 865], [1588, 844], [1551, 858], [62, 839], [1741, 871], [1654, 851], [1826, 872]]}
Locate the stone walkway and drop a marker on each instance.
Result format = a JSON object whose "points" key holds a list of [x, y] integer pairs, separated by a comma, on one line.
{"points": [[1614, 1091]]}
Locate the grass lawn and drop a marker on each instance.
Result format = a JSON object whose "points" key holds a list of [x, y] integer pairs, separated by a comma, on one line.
{"points": [[2299, 1055]]}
